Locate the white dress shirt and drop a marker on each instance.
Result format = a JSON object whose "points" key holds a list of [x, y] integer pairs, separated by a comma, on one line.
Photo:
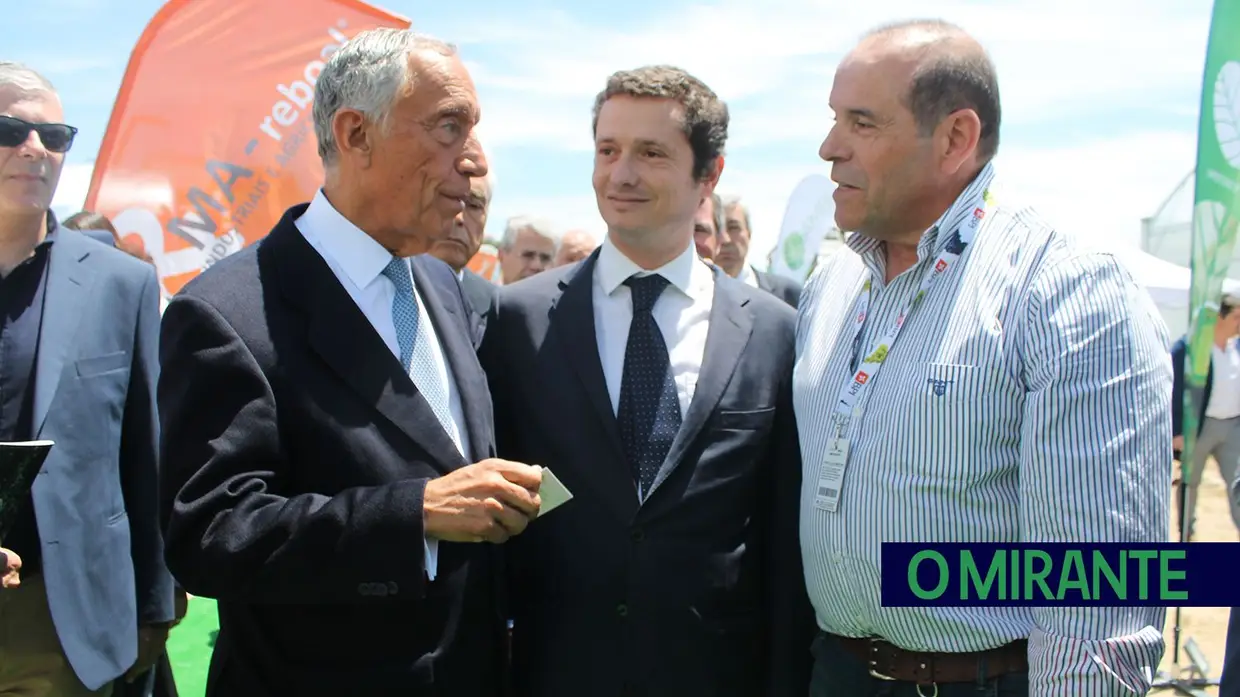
{"points": [[1023, 401], [358, 262], [748, 277], [682, 313], [1225, 394]]}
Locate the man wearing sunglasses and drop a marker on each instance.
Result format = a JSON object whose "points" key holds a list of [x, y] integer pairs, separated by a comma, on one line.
{"points": [[79, 332]]}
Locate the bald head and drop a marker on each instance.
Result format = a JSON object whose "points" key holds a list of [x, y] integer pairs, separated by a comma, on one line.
{"points": [[948, 71], [575, 246]]}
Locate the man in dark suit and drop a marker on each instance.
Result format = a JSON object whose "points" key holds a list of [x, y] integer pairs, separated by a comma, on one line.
{"points": [[321, 403], [658, 390], [462, 243], [78, 340], [733, 255]]}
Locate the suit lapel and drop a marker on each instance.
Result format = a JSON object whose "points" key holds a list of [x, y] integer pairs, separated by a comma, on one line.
{"points": [[572, 320], [763, 282], [450, 328], [66, 293], [346, 341], [730, 327]]}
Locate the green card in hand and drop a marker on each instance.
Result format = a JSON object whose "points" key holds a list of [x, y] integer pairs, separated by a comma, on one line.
{"points": [[552, 493]]}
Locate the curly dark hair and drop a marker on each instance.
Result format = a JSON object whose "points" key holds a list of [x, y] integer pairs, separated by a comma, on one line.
{"points": [[705, 118]]}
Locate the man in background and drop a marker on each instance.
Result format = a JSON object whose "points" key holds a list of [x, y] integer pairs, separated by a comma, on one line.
{"points": [[707, 222], [733, 255], [463, 242], [79, 333], [527, 248], [966, 372], [575, 245], [1218, 420]]}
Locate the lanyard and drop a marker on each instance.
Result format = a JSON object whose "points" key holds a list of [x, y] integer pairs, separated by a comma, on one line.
{"points": [[852, 392]]}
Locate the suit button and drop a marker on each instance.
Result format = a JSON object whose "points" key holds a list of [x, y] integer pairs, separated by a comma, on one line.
{"points": [[622, 610], [638, 535]]}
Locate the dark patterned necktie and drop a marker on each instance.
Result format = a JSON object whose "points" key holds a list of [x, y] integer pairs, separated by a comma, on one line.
{"points": [[649, 411]]}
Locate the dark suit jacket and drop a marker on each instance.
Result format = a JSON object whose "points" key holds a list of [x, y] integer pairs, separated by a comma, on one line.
{"points": [[781, 287], [1179, 354], [480, 299], [297, 453], [96, 498], [697, 591], [1229, 681]]}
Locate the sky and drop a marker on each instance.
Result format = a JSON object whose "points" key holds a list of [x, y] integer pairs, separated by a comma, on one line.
{"points": [[1100, 97]]}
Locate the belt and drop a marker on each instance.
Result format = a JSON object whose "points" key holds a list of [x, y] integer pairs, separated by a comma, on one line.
{"points": [[888, 662]]}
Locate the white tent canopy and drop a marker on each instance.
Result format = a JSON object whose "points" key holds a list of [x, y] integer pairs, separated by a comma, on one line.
{"points": [[1168, 283]]}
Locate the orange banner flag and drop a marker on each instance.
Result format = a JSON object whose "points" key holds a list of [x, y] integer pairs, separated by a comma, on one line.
{"points": [[211, 138]]}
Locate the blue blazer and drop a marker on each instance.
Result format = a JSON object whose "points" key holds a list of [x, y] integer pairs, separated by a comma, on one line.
{"points": [[96, 498]]}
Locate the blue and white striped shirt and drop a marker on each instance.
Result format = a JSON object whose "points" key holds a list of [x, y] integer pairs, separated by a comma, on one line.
{"points": [[1025, 400]]}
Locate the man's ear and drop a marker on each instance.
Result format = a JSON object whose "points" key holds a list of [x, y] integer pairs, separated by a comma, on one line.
{"points": [[710, 178], [956, 139], [354, 135]]}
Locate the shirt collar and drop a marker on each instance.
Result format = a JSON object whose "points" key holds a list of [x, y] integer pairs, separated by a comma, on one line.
{"points": [[52, 226], [687, 273], [931, 242], [748, 276], [358, 254]]}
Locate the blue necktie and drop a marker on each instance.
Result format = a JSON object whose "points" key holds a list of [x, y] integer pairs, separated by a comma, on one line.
{"points": [[649, 411], [416, 354]]}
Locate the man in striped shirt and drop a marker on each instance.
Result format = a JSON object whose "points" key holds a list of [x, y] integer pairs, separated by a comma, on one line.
{"points": [[966, 373]]}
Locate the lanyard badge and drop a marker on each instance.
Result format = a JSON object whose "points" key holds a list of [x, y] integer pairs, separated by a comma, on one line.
{"points": [[835, 460]]}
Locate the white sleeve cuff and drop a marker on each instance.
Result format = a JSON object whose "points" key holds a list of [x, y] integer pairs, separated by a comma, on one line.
{"points": [[431, 546]]}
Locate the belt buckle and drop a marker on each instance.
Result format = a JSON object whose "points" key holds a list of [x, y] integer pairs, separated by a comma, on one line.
{"points": [[880, 676], [874, 663]]}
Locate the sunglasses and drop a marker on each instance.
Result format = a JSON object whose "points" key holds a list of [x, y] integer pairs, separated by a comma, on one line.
{"points": [[56, 137]]}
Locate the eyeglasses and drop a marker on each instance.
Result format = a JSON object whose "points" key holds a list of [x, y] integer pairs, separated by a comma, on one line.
{"points": [[56, 137]]}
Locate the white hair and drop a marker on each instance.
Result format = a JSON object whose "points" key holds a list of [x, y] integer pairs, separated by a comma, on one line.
{"points": [[539, 226], [734, 201], [368, 73], [24, 78]]}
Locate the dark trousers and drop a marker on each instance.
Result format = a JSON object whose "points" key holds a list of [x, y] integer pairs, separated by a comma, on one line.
{"points": [[838, 673]]}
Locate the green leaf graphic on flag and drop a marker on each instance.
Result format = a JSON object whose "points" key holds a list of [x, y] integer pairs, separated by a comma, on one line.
{"points": [[879, 355], [794, 250], [1216, 204]]}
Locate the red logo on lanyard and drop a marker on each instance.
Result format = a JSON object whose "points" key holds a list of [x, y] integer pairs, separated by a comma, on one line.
{"points": [[941, 265], [862, 378], [979, 213]]}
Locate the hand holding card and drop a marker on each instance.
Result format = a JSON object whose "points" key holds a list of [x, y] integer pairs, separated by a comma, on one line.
{"points": [[552, 493]]}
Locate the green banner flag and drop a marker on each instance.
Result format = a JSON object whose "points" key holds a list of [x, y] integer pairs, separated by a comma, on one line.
{"points": [[1216, 205]]}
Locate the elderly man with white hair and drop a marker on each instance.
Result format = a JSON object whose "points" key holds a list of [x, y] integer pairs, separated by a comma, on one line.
{"points": [[528, 247], [322, 404]]}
